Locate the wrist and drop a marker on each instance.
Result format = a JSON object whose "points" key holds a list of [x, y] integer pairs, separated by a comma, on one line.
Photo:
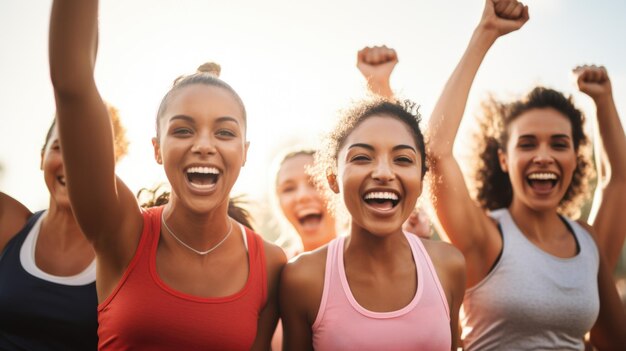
{"points": [[484, 37], [603, 100]]}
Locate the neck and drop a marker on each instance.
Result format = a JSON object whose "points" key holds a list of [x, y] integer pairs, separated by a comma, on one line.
{"points": [[539, 225], [61, 223], [379, 246], [198, 230], [312, 244]]}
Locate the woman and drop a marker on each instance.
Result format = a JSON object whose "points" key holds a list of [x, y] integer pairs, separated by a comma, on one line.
{"points": [[379, 288], [171, 277], [535, 278], [47, 267]]}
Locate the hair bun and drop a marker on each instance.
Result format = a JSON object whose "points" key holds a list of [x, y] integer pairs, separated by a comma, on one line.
{"points": [[210, 68]]}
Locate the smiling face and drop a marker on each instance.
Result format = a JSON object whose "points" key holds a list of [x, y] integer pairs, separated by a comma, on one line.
{"points": [[379, 174], [53, 170], [202, 145], [540, 158], [302, 204]]}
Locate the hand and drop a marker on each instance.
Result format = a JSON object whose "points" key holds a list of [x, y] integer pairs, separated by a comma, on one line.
{"points": [[508, 9], [418, 223], [504, 16], [376, 65], [593, 81]]}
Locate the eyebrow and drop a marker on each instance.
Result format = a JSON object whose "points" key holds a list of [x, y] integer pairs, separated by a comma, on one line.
{"points": [[532, 136], [192, 120], [370, 147]]}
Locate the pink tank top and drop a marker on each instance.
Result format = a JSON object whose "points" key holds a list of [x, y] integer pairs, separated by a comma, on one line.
{"points": [[143, 313], [343, 324]]}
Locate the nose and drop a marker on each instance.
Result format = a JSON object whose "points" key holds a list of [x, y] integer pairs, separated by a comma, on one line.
{"points": [[383, 171], [203, 145], [305, 193], [543, 157]]}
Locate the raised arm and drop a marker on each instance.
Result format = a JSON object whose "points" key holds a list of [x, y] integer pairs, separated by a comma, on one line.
{"points": [[104, 207], [607, 216], [466, 225], [376, 64]]}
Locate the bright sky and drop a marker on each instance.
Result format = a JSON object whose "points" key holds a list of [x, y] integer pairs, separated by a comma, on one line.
{"points": [[292, 62]]}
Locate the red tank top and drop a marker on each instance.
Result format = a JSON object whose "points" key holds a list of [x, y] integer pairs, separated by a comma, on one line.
{"points": [[144, 313]]}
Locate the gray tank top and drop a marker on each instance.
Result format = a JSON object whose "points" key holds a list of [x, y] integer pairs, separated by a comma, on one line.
{"points": [[532, 300]]}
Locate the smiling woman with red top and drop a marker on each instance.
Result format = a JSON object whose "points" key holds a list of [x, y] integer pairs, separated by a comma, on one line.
{"points": [[536, 279], [379, 288], [183, 276]]}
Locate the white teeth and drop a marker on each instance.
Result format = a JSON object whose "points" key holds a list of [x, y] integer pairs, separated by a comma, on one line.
{"points": [[542, 176], [305, 213], [203, 170], [384, 195]]}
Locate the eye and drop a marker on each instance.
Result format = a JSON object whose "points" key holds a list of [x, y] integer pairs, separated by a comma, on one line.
{"points": [[226, 133], [182, 132], [359, 158], [404, 159], [526, 145], [287, 189], [560, 145]]}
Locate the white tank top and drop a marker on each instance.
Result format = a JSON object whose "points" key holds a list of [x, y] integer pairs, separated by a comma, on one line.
{"points": [[532, 300]]}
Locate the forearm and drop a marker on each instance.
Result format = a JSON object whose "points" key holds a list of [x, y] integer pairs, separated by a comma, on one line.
{"points": [[380, 88], [73, 44], [448, 112], [613, 142]]}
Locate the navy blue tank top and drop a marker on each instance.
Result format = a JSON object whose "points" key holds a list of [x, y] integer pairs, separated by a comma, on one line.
{"points": [[36, 314]]}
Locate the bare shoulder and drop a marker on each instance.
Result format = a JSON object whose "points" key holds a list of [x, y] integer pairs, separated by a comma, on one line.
{"points": [[13, 217], [444, 255], [302, 283], [274, 256], [307, 267]]}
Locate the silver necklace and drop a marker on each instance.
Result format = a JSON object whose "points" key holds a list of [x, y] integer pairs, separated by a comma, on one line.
{"points": [[201, 253]]}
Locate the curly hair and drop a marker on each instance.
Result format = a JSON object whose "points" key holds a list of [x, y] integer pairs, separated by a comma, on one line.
{"points": [[493, 187], [207, 74], [326, 157], [120, 142]]}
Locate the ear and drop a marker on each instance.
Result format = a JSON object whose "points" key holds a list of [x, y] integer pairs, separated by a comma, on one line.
{"points": [[332, 181], [157, 151], [503, 161], [245, 153]]}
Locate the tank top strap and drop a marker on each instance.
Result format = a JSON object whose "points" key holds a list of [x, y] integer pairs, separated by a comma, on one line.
{"points": [[141, 257], [330, 278], [421, 257], [256, 254]]}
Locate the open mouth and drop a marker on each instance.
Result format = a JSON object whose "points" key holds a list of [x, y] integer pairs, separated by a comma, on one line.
{"points": [[202, 177], [542, 181], [382, 200], [61, 179], [310, 220]]}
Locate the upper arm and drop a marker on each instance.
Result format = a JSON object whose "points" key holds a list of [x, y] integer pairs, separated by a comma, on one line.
{"points": [[13, 217], [609, 331], [301, 290], [609, 222], [275, 261], [462, 221], [450, 266]]}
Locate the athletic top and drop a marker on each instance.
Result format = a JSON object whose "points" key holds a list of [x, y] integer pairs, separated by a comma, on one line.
{"points": [[532, 300], [40, 311], [343, 324], [143, 313]]}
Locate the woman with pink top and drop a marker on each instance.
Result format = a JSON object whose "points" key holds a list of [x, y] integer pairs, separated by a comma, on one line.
{"points": [[380, 287]]}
